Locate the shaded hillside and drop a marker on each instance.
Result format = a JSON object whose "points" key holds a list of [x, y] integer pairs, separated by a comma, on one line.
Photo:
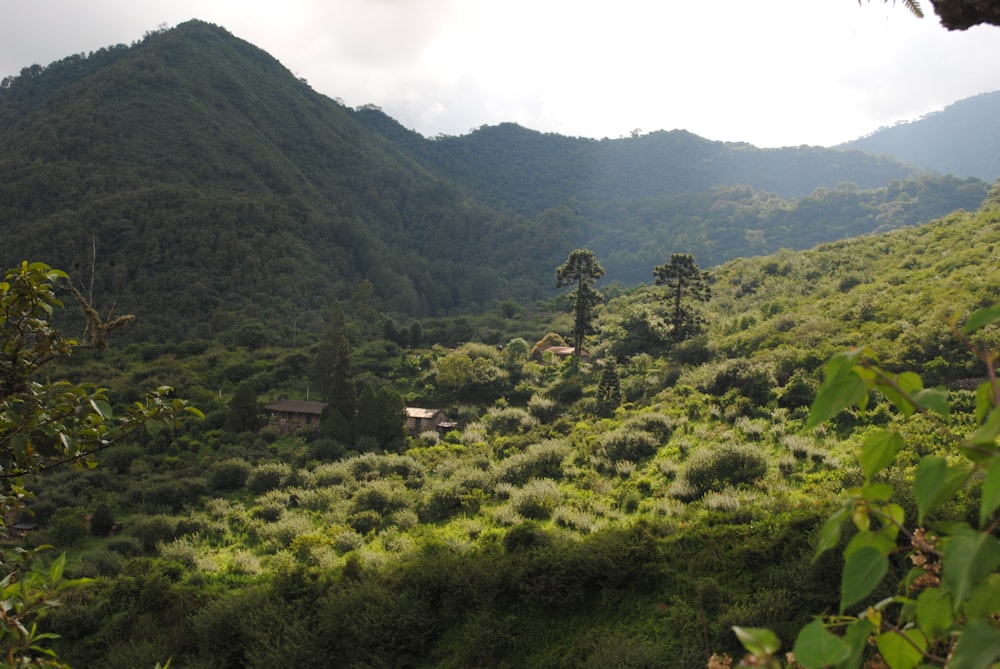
{"points": [[962, 139], [538, 533], [213, 194], [510, 167], [212, 179]]}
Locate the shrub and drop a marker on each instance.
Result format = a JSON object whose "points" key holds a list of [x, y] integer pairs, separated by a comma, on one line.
{"points": [[660, 425], [268, 476], [380, 496], [346, 540], [628, 443], [542, 460], [712, 469], [229, 474], [543, 408], [537, 499], [511, 420], [125, 546], [151, 530], [66, 527], [182, 551], [365, 521], [102, 521]]}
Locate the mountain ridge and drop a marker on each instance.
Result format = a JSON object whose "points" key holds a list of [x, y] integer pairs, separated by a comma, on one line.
{"points": [[210, 190]]}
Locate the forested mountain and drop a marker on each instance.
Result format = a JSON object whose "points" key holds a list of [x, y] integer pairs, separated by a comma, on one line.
{"points": [[210, 191], [526, 171], [962, 139]]}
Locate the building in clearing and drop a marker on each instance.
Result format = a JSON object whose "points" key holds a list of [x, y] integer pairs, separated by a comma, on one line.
{"points": [[291, 415], [423, 420]]}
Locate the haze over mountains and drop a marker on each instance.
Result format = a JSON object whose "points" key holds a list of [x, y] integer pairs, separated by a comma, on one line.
{"points": [[217, 188], [961, 139]]}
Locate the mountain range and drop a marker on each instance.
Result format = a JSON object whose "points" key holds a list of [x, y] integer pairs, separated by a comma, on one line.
{"points": [[191, 179]]}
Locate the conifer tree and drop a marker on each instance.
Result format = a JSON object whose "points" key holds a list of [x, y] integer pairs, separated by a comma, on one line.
{"points": [[684, 280], [581, 269], [244, 415], [609, 390]]}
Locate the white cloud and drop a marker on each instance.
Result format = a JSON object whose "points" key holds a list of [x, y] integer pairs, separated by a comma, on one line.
{"points": [[780, 72]]}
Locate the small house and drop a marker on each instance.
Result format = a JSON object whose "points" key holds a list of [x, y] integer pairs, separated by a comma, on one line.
{"points": [[291, 415], [563, 352], [423, 420]]}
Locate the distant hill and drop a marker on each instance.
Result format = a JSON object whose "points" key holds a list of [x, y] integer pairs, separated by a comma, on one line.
{"points": [[215, 194], [513, 168], [962, 139]]}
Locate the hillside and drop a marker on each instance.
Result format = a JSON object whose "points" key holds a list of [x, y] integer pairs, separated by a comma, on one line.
{"points": [[962, 139], [513, 168], [210, 192], [540, 532]]}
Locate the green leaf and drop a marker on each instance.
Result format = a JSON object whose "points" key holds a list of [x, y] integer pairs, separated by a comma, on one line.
{"points": [[895, 516], [984, 600], [968, 557], [56, 570], [816, 647], [878, 492], [879, 449], [758, 641], [934, 482], [829, 536], [981, 318], [978, 647], [841, 388], [102, 407], [876, 540], [863, 571], [902, 650], [987, 433], [927, 482], [984, 400], [934, 611], [990, 492], [934, 399], [856, 638]]}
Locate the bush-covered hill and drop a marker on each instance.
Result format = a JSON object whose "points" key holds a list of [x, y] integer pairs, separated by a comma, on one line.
{"points": [[192, 180], [963, 139], [544, 531]]}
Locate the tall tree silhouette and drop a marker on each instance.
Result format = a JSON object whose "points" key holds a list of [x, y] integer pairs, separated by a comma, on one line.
{"points": [[683, 279], [582, 270]]}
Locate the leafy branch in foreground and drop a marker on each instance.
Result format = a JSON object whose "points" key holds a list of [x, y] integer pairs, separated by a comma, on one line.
{"points": [[44, 424], [946, 610]]}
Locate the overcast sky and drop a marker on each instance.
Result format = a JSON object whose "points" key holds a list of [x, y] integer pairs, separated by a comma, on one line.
{"points": [[768, 72]]}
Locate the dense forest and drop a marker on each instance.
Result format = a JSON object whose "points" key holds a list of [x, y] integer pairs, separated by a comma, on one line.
{"points": [[217, 193], [779, 432]]}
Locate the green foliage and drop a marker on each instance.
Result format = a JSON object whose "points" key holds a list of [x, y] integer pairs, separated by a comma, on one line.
{"points": [[230, 474], [581, 270], [268, 476], [381, 417], [244, 413], [715, 468], [44, 424], [609, 389], [685, 281], [939, 614], [628, 442]]}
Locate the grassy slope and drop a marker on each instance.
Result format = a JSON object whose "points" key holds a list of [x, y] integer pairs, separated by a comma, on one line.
{"points": [[546, 539]]}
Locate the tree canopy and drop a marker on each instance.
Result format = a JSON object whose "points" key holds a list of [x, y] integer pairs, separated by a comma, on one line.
{"points": [[581, 269]]}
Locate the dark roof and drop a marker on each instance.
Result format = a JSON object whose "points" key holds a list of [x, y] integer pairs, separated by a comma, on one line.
{"points": [[297, 406]]}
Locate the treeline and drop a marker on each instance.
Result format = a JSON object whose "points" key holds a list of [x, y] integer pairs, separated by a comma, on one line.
{"points": [[207, 190]]}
